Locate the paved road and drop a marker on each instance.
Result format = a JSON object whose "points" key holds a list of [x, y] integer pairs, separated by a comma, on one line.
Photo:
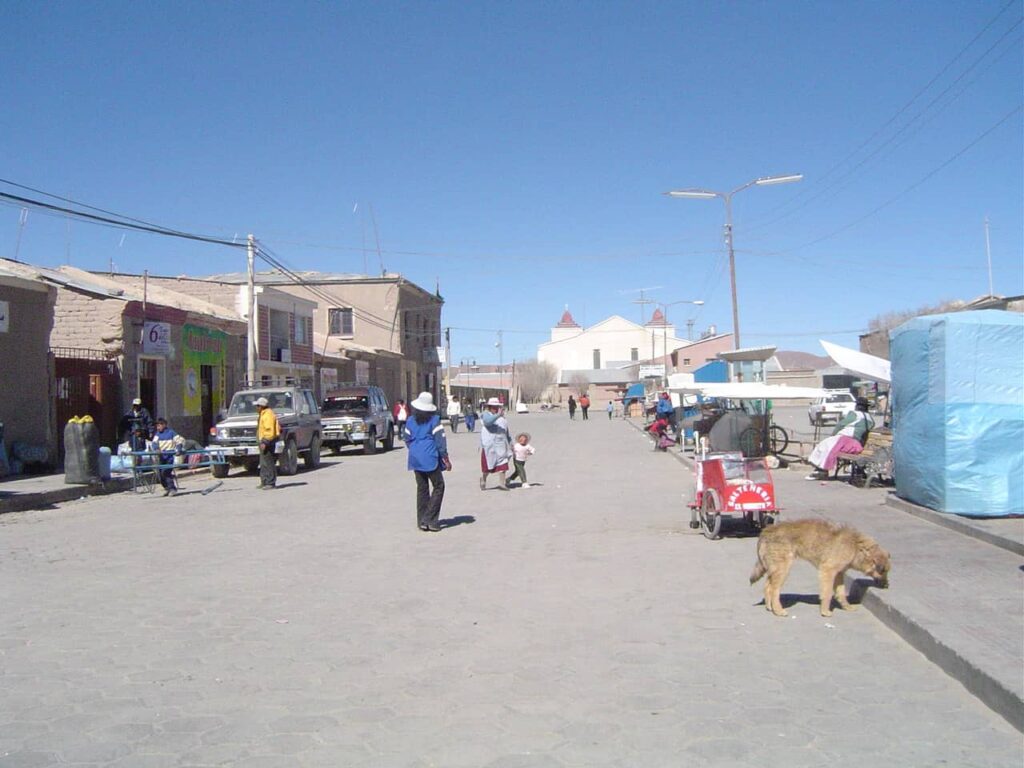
{"points": [[580, 623]]}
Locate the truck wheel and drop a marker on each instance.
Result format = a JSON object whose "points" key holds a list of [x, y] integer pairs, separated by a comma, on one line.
{"points": [[389, 440], [288, 462], [313, 457], [219, 470], [370, 444]]}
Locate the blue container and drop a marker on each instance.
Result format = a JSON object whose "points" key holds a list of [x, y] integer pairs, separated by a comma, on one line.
{"points": [[958, 412]]}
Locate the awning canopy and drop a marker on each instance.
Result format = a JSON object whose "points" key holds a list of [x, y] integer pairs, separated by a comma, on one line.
{"points": [[861, 363], [751, 390], [748, 354]]}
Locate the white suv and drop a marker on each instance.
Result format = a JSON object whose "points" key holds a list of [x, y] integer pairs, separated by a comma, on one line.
{"points": [[832, 407]]}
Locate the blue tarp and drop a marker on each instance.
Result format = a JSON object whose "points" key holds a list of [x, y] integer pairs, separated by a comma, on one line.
{"points": [[635, 390], [958, 410], [715, 372]]}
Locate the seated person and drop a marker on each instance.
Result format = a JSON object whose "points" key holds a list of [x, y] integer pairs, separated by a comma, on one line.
{"points": [[849, 436], [659, 431]]}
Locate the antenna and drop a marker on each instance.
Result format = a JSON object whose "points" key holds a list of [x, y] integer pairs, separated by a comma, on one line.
{"points": [[642, 301], [988, 251], [380, 258], [22, 221]]}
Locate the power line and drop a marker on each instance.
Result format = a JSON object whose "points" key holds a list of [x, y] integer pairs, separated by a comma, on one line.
{"points": [[122, 224], [814, 196], [909, 189]]}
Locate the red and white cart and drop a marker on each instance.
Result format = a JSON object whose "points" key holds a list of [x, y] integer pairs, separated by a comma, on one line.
{"points": [[729, 484]]}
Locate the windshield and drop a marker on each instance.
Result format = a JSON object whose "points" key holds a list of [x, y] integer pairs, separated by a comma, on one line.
{"points": [[346, 403], [245, 404], [839, 399]]}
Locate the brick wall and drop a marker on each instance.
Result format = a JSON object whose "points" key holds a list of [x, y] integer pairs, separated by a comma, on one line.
{"points": [[87, 322]]}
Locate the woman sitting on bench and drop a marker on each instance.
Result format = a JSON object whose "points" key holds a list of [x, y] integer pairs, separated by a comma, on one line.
{"points": [[849, 436]]}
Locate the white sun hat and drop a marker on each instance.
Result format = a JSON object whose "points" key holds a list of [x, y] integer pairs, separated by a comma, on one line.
{"points": [[494, 401], [263, 401], [425, 402]]}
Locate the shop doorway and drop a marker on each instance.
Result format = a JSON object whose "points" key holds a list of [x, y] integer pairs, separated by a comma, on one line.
{"points": [[206, 382]]}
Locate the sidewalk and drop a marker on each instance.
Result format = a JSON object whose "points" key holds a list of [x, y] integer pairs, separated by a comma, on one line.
{"points": [[955, 588], [41, 491]]}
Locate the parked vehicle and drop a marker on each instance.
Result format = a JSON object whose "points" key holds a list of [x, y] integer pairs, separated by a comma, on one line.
{"points": [[358, 414], [301, 431], [832, 407]]}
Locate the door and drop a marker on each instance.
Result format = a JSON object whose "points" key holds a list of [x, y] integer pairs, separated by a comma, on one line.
{"points": [[206, 389]]}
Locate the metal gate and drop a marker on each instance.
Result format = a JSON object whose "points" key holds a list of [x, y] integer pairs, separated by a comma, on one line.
{"points": [[87, 383]]}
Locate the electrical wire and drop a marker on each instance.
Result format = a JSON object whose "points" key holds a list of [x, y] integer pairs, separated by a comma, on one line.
{"points": [[118, 224], [758, 225]]}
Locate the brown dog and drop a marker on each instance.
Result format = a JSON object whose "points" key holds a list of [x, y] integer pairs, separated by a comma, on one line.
{"points": [[831, 548]]}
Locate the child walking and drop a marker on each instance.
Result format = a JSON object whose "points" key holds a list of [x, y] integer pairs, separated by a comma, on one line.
{"points": [[521, 451]]}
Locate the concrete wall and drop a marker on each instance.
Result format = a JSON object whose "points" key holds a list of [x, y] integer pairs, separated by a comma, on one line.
{"points": [[26, 373]]}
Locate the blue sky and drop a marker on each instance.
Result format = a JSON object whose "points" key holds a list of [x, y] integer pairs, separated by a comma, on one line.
{"points": [[517, 152]]}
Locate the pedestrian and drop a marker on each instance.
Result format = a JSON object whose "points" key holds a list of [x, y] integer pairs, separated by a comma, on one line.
{"points": [[136, 426], [585, 405], [572, 408], [168, 443], [470, 415], [268, 430], [666, 410], [428, 459], [849, 436], [454, 413], [521, 451], [401, 414], [495, 444], [610, 409]]}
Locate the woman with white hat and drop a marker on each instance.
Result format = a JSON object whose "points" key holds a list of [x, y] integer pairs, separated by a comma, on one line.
{"points": [[495, 444], [428, 458]]}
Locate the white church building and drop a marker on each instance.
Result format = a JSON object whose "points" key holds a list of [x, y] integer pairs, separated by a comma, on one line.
{"points": [[614, 343]]}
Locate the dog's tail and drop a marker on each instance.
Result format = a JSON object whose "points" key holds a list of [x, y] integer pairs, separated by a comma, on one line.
{"points": [[758, 572]]}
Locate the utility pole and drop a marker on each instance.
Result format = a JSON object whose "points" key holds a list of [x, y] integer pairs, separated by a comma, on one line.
{"points": [[448, 361], [251, 341], [988, 251], [689, 329]]}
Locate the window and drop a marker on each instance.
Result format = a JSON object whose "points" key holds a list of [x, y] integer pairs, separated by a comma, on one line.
{"points": [[279, 332], [634, 354], [686, 361], [301, 337], [340, 321], [597, 359]]}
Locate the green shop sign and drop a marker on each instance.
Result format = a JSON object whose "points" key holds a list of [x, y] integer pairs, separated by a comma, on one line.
{"points": [[202, 346]]}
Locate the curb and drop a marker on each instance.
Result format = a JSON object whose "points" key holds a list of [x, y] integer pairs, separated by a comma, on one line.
{"points": [[955, 524], [43, 499], [990, 691]]}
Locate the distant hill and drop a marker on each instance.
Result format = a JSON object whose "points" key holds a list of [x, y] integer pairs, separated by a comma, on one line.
{"points": [[795, 360]]}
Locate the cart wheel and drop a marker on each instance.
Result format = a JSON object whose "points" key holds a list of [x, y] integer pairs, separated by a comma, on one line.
{"points": [[778, 440], [710, 519]]}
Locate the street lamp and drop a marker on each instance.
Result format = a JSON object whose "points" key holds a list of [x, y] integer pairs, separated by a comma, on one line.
{"points": [[664, 333], [703, 194]]}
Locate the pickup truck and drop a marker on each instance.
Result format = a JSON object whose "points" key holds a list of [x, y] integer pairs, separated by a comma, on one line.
{"points": [[301, 431], [358, 414]]}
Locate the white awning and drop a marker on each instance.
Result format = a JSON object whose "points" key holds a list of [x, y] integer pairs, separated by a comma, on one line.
{"points": [[861, 363], [751, 390]]}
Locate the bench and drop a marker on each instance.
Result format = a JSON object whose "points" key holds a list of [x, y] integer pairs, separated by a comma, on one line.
{"points": [[874, 461], [145, 465]]}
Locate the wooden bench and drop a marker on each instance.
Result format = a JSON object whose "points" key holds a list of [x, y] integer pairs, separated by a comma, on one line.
{"points": [[874, 461]]}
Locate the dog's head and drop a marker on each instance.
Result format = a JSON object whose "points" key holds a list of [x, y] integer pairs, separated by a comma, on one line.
{"points": [[873, 561]]}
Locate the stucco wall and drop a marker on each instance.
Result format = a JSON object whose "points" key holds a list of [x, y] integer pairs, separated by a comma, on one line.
{"points": [[26, 407]]}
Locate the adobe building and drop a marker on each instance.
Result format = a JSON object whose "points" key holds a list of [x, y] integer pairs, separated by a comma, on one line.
{"points": [[182, 356], [382, 330], [26, 373]]}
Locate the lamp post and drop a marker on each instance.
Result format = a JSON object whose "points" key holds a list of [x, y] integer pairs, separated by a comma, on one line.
{"points": [[704, 194], [664, 333]]}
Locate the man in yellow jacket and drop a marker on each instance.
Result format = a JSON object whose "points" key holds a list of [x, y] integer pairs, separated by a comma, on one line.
{"points": [[268, 430]]}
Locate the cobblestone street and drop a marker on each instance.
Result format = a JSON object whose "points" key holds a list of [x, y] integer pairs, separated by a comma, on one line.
{"points": [[578, 623]]}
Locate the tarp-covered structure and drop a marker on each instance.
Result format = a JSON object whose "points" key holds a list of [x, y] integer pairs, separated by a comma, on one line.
{"points": [[958, 406]]}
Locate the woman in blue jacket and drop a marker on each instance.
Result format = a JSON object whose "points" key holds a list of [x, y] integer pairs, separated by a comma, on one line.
{"points": [[428, 458]]}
